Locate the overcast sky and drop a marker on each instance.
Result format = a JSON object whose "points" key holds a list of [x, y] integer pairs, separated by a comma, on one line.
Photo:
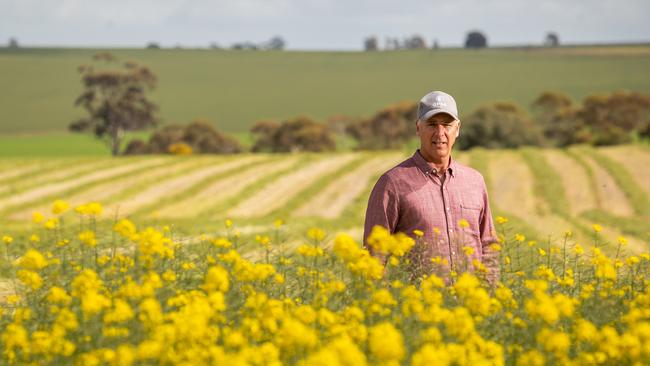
{"points": [[317, 24]]}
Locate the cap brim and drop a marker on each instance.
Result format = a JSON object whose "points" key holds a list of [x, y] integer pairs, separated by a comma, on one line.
{"points": [[433, 112]]}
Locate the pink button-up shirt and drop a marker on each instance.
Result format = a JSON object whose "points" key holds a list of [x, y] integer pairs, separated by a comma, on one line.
{"points": [[412, 197]]}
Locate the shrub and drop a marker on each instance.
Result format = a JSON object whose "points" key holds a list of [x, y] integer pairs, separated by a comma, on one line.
{"points": [[203, 138], [136, 147], [162, 138], [390, 128], [298, 134], [615, 118], [499, 125], [199, 136]]}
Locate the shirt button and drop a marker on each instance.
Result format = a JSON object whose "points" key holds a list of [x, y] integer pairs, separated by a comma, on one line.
{"points": [[451, 230], [447, 208]]}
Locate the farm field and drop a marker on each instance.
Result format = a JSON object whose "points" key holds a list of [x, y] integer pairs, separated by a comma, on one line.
{"points": [[242, 260], [237, 89], [543, 191]]}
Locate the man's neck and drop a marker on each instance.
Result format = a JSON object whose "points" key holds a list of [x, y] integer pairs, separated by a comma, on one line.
{"points": [[440, 166]]}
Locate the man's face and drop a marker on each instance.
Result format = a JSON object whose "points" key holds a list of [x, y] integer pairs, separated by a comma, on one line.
{"points": [[437, 136]]}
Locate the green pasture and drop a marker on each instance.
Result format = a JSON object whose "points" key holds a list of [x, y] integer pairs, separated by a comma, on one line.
{"points": [[237, 88]]}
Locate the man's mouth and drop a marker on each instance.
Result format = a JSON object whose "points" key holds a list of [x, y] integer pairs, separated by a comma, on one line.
{"points": [[439, 143]]}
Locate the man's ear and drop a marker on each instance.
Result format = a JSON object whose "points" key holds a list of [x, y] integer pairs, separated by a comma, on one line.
{"points": [[417, 128], [458, 130]]}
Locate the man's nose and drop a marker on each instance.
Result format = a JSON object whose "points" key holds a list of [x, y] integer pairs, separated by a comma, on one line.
{"points": [[439, 129]]}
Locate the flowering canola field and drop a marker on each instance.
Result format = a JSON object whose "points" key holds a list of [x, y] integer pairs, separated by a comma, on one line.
{"points": [[82, 284], [136, 296]]}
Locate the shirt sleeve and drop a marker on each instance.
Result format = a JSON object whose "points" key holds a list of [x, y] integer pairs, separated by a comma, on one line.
{"points": [[382, 210], [490, 257]]}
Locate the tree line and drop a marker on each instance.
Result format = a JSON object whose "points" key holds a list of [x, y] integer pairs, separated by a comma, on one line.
{"points": [[473, 39], [115, 100]]}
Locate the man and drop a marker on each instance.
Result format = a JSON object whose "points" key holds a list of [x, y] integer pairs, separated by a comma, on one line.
{"points": [[433, 196]]}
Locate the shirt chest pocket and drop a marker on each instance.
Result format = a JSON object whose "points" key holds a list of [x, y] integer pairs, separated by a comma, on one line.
{"points": [[472, 213]]}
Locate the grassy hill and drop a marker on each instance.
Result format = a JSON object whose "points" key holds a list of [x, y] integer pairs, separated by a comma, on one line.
{"points": [[543, 193], [236, 89]]}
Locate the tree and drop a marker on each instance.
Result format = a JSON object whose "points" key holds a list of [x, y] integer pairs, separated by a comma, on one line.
{"points": [[153, 46], [415, 42], [371, 44], [115, 99], [475, 39], [276, 43], [551, 40], [13, 43]]}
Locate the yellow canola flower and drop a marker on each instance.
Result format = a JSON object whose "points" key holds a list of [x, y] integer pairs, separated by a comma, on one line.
{"points": [[125, 228], [604, 268], [169, 276], [474, 297], [263, 240], [92, 302], [554, 342], [586, 331], [546, 307], [88, 238], [52, 223], [459, 323], [310, 251], [383, 242], [14, 338], [578, 249], [30, 279], [386, 344], [86, 281], [340, 351], [37, 217], [221, 243], [316, 234], [92, 208], [346, 248], [293, 336], [468, 251], [531, 358], [59, 207], [150, 313], [32, 260], [383, 297], [216, 280], [120, 312], [58, 295], [597, 228], [7, 239]]}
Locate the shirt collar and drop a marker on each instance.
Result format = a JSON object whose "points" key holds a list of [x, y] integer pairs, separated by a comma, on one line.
{"points": [[427, 169]]}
